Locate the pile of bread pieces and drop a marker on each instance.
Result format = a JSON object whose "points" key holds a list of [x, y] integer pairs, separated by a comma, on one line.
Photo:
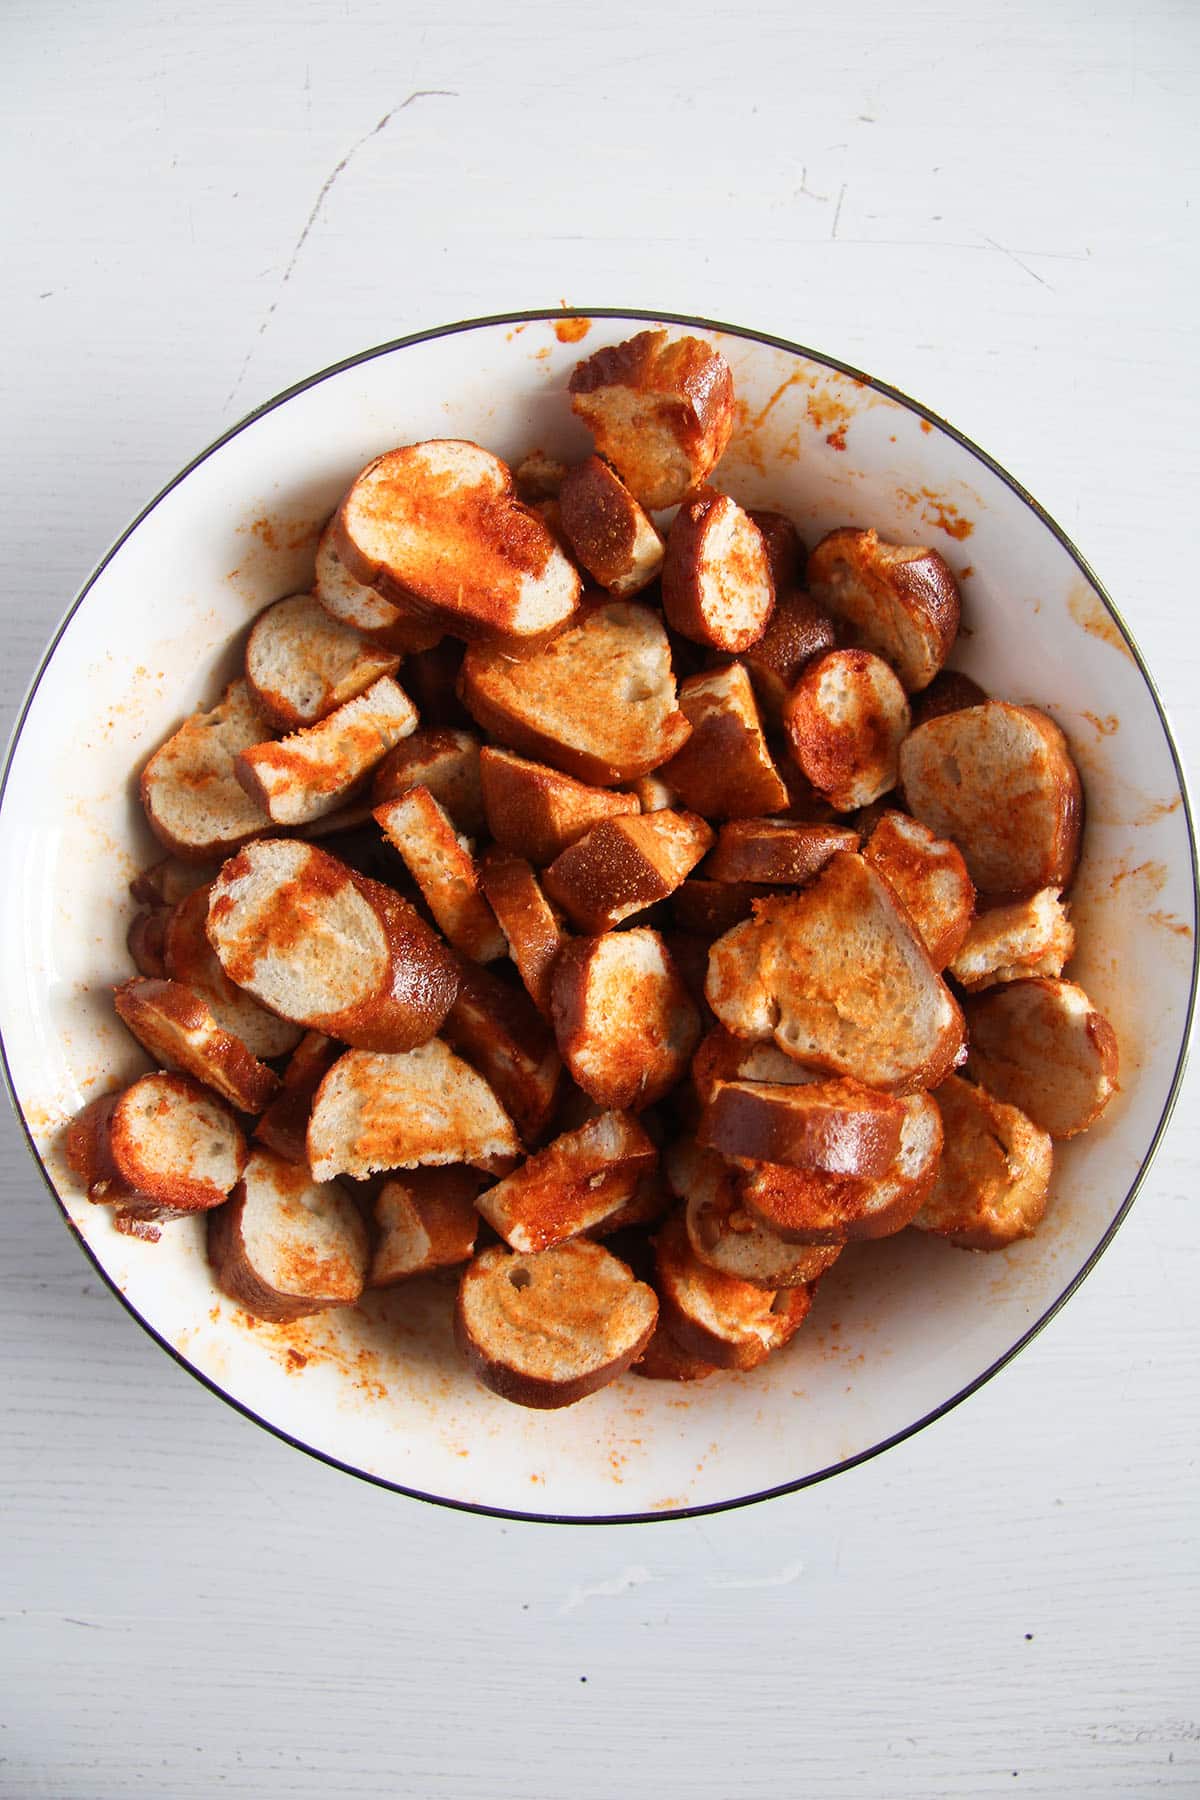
{"points": [[623, 912]]}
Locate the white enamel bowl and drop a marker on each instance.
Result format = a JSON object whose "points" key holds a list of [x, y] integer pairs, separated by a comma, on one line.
{"points": [[900, 1330]]}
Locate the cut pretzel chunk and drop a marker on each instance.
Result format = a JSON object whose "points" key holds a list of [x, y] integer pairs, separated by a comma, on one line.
{"points": [[316, 769], [176, 1026], [664, 1360], [1040, 1045], [351, 603], [720, 1318], [301, 664], [835, 1125], [444, 870], [716, 578], [723, 1057], [949, 691], [164, 1147], [444, 761], [845, 721], [994, 1174], [535, 811], [709, 909], [930, 877], [725, 769], [525, 916], [610, 534], [190, 958], [284, 1125], [286, 1246], [499, 1031], [190, 789], [424, 1220], [785, 549], [625, 1022], [625, 865], [1008, 943], [724, 1235], [899, 601], [775, 851], [572, 1185]]}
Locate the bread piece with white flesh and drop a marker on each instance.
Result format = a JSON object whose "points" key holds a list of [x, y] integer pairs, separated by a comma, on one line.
{"points": [[438, 526], [424, 1220], [649, 1201], [844, 722], [443, 867], [164, 1147], [838, 977], [301, 664], [530, 925], [725, 770], [625, 865], [724, 1235], [653, 794], [661, 412], [500, 1032], [994, 1176], [285, 1246], [900, 601], [929, 876], [775, 851], [664, 1360], [835, 1125], [328, 948], [597, 702], [284, 1125], [571, 1185], [726, 1321], [716, 578], [352, 603], [446, 762], [606, 528], [786, 552], [536, 811], [999, 781], [1009, 943], [168, 881], [318, 768], [189, 957], [1040, 1045], [625, 1022], [176, 1026], [194, 801], [723, 1057], [805, 1206], [797, 631], [546, 1331], [427, 1106], [539, 476]]}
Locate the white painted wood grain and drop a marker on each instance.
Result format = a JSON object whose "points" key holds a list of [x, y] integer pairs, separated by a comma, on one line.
{"points": [[992, 208]]}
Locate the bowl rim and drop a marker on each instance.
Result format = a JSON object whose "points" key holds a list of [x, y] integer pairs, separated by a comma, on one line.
{"points": [[646, 316]]}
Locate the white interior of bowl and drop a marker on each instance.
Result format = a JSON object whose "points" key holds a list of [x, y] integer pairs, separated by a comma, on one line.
{"points": [[899, 1328]]}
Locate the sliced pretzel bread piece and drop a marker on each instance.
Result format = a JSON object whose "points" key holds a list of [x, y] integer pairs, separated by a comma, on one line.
{"points": [[730, 1323], [146, 940], [285, 1246], [193, 799], [845, 721], [500, 1032], [836, 1125], [929, 876], [716, 578], [785, 549], [536, 811], [649, 1201], [572, 1185], [777, 852], [284, 1125], [164, 1147], [539, 476], [610, 535], [653, 794], [798, 631], [724, 1235], [329, 948], [168, 881], [711, 908], [426, 1106], [900, 601], [663, 1360], [425, 1219], [725, 770], [625, 865], [949, 691], [723, 1057], [1000, 782], [546, 1331], [1040, 1045], [530, 925], [301, 663], [190, 958], [175, 1024], [994, 1176], [837, 975], [443, 867], [661, 412], [352, 603], [1008, 943], [316, 769], [625, 1022], [447, 763]]}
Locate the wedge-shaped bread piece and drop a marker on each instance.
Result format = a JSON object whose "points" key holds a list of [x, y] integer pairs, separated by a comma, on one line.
{"points": [[352, 603], [301, 664], [328, 948], [999, 781], [447, 763], [606, 528], [898, 600], [530, 925], [168, 881], [653, 794], [146, 940], [284, 1245], [571, 1185], [318, 768], [929, 875], [535, 811], [443, 867], [598, 701], [661, 412], [175, 1024], [424, 1220], [625, 1022], [994, 1175], [716, 578], [709, 909], [723, 1057], [664, 1360], [1008, 943], [539, 476], [649, 1201], [949, 691], [546, 1331], [283, 1128], [500, 1032], [725, 770], [777, 852], [190, 790], [845, 721], [427, 1106], [836, 1125], [837, 975], [786, 553], [797, 631], [625, 865], [722, 1233], [725, 1321], [189, 957], [1040, 1045], [164, 1147], [438, 525]]}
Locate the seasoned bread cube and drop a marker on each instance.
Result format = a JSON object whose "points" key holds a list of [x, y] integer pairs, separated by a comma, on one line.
{"points": [[723, 1320], [899, 601], [301, 664], [535, 811], [625, 1022], [930, 877], [572, 1185], [624, 865], [999, 781], [424, 1220], [176, 1026], [193, 799], [837, 975], [162, 1148], [1006, 943], [328, 948], [442, 760], [725, 769], [598, 701], [316, 769], [723, 1057], [722, 1233], [530, 925], [349, 602], [539, 477], [716, 577], [994, 1174], [949, 691], [190, 958], [797, 632], [708, 909], [546, 1331], [1040, 1045], [845, 721], [607, 530], [444, 869], [284, 1126], [146, 940], [437, 526], [499, 1031], [835, 1125], [663, 1360], [775, 851], [425, 1106], [786, 553], [284, 1245], [661, 412]]}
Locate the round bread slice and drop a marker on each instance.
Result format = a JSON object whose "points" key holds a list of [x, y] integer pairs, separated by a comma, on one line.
{"points": [[836, 1125], [716, 578], [447, 763], [725, 770], [785, 549], [168, 1142], [352, 603], [284, 1245], [929, 876], [189, 957], [547, 1330], [1024, 938], [663, 1360], [193, 799], [284, 1125], [844, 722], [301, 663], [723, 1320], [775, 851], [625, 1023], [724, 1235], [900, 601], [994, 1175], [424, 1220], [609, 533], [176, 1026], [797, 631], [1041, 1046]]}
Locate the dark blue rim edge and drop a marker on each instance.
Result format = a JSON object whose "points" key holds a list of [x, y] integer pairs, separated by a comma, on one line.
{"points": [[892, 393]]}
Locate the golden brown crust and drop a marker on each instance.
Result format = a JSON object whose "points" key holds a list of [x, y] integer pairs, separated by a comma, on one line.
{"points": [[175, 1024], [775, 851], [994, 1174], [419, 827], [928, 875], [607, 530], [1041, 1046], [624, 866], [526, 918], [797, 631], [709, 909], [160, 1187], [725, 769], [536, 811], [443, 760], [578, 1180], [845, 721], [722, 1233], [193, 801], [233, 1267], [720, 1318], [664, 1360], [716, 576], [284, 1126], [785, 549], [900, 602], [624, 1020], [441, 1204], [949, 691], [498, 1030], [838, 1126]]}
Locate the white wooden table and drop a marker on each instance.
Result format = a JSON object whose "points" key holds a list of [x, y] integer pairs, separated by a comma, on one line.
{"points": [[993, 208]]}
